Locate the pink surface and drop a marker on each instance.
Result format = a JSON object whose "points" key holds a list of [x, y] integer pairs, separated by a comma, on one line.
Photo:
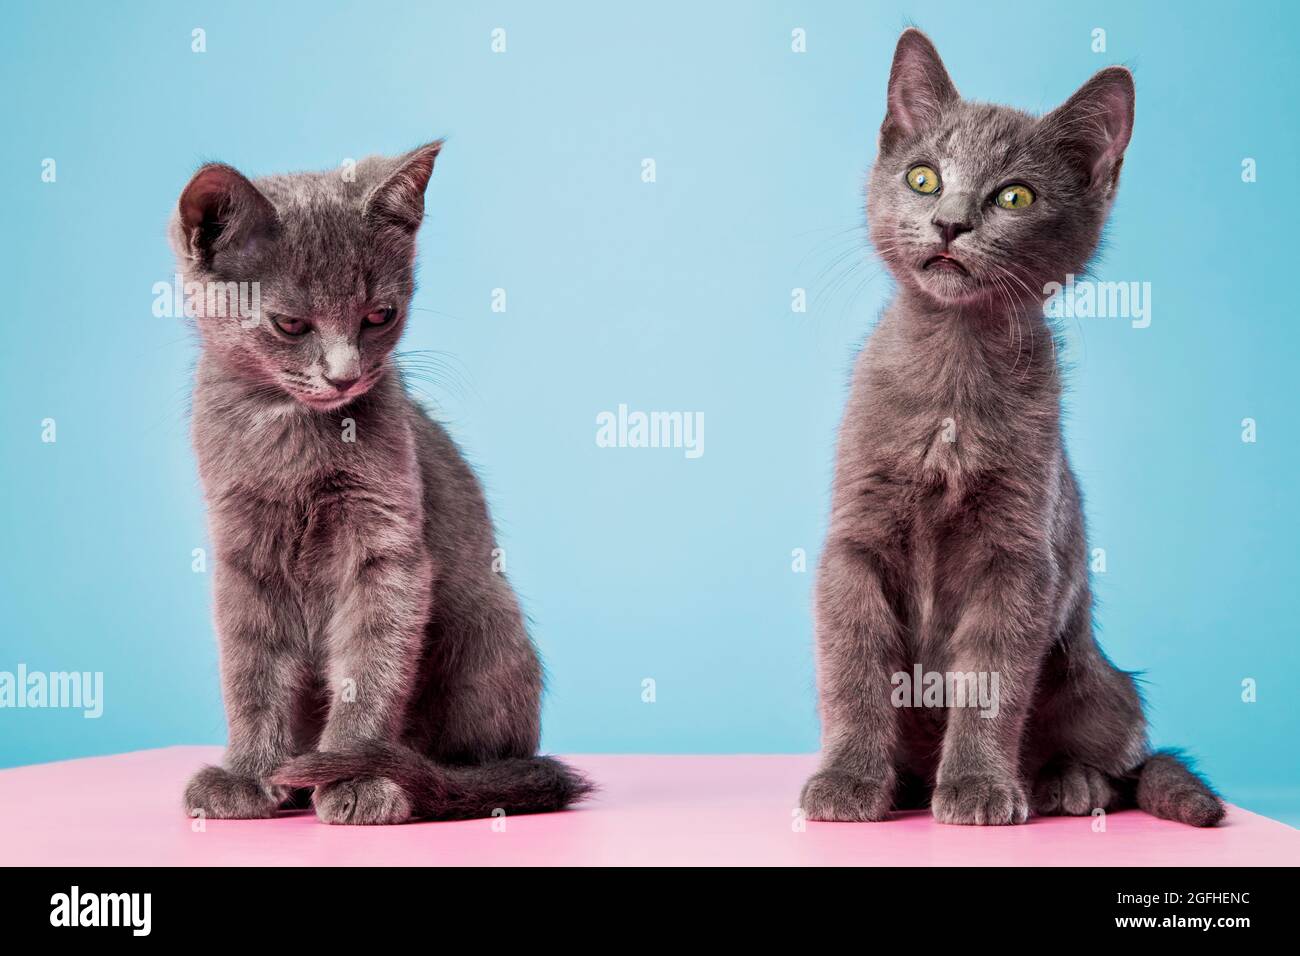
{"points": [[125, 810]]}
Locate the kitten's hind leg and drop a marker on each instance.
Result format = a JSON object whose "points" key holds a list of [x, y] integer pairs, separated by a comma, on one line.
{"points": [[1087, 730], [1071, 789], [857, 650], [483, 701]]}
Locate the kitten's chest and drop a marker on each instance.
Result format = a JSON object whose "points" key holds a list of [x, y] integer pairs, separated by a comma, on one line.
{"points": [[307, 499], [940, 450], [942, 459], [946, 408]]}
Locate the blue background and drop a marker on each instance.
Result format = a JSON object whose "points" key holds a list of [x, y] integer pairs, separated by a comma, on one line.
{"points": [[674, 295]]}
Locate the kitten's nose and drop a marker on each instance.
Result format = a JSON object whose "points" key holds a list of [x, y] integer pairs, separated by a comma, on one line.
{"points": [[342, 384], [342, 365], [950, 230]]}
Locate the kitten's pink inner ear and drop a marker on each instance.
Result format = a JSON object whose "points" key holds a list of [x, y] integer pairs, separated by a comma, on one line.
{"points": [[220, 206], [203, 193], [919, 88], [399, 199], [1097, 122]]}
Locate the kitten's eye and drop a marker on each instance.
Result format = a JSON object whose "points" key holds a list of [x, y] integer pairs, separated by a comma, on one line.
{"points": [[923, 179], [380, 316], [1014, 197], [290, 326]]}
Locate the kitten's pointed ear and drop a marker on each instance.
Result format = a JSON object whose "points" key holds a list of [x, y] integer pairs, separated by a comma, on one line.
{"points": [[1092, 128], [919, 88], [221, 211], [399, 199]]}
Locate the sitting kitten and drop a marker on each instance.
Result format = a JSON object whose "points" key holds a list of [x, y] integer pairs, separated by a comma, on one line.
{"points": [[956, 539], [368, 648]]}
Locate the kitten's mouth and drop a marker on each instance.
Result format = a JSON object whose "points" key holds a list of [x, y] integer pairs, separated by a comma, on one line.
{"points": [[330, 403], [319, 401], [943, 262], [327, 404]]}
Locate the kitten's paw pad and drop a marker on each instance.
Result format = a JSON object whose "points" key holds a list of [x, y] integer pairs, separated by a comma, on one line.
{"points": [[981, 801], [364, 801], [1073, 790], [836, 795], [221, 795]]}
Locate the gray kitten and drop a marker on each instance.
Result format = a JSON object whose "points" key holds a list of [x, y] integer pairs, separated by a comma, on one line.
{"points": [[956, 538], [368, 648]]}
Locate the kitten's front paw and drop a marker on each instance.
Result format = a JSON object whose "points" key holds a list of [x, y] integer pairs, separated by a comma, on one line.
{"points": [[980, 800], [222, 795], [365, 801], [1074, 790], [840, 796]]}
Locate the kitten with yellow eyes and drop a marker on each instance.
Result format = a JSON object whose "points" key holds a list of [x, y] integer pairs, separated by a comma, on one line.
{"points": [[956, 545], [371, 652]]}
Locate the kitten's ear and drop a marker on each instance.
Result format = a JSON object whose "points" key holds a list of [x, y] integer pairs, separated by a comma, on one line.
{"points": [[919, 88], [220, 211], [399, 199], [1092, 128]]}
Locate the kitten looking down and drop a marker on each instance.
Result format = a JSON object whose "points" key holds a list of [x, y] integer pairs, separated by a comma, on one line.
{"points": [[368, 648], [956, 543]]}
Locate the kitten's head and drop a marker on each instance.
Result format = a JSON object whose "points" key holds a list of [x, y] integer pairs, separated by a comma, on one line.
{"points": [[971, 203], [333, 257]]}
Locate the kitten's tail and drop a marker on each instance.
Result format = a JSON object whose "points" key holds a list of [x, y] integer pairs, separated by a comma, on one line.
{"points": [[443, 792], [1166, 786]]}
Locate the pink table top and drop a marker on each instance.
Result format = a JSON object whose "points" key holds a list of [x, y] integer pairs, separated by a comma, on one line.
{"points": [[652, 810]]}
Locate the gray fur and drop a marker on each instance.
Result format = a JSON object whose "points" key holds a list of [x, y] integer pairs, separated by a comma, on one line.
{"points": [[970, 555], [357, 608]]}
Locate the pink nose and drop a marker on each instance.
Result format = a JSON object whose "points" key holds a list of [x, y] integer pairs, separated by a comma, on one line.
{"points": [[342, 384]]}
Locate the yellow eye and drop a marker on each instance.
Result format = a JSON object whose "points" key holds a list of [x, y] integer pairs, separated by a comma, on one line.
{"points": [[1014, 197], [923, 179]]}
